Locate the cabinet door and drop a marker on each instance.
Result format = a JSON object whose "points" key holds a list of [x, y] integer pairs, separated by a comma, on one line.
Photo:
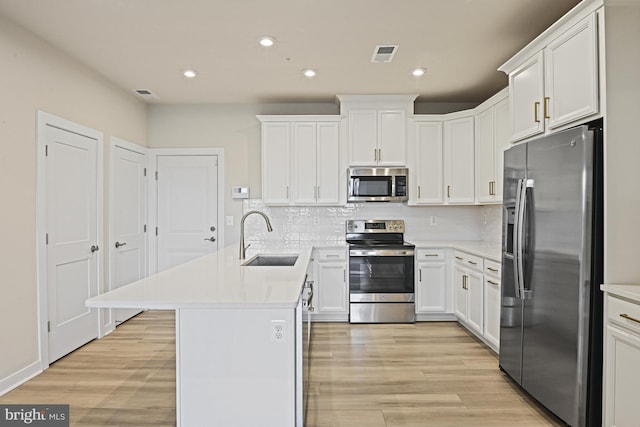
{"points": [[485, 155], [460, 294], [622, 378], [304, 163], [571, 74], [332, 288], [392, 139], [328, 163], [429, 149], [475, 308], [363, 137], [431, 289], [501, 143], [459, 162], [275, 162], [492, 311], [526, 93]]}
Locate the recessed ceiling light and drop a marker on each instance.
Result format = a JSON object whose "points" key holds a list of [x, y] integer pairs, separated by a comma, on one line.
{"points": [[417, 72], [267, 41], [309, 72], [190, 73]]}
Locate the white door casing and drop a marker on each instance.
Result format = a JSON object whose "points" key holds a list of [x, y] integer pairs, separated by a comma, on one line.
{"points": [[188, 203], [68, 231], [128, 217]]}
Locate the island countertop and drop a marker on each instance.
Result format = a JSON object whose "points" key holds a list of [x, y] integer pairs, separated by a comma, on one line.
{"points": [[217, 280]]}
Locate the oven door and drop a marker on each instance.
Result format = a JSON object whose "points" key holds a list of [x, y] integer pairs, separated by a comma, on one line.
{"points": [[381, 271]]}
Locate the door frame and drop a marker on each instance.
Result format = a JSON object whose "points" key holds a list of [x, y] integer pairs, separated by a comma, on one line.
{"points": [[45, 119], [108, 322], [153, 195]]}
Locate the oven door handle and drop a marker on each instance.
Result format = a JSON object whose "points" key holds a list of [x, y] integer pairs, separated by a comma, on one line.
{"points": [[381, 252]]}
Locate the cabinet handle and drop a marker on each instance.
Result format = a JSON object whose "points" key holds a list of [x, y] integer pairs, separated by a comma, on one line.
{"points": [[318, 192], [419, 275], [418, 191], [432, 255], [448, 191], [492, 269], [492, 282], [287, 192], [459, 258], [546, 107], [379, 154], [344, 275], [375, 154], [536, 105], [472, 262], [464, 282], [333, 256], [633, 319]]}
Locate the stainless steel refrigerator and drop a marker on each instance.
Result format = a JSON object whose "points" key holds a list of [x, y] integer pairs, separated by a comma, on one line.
{"points": [[551, 314]]}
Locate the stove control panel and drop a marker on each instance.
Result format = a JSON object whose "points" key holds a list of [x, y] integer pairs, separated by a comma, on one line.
{"points": [[375, 226]]}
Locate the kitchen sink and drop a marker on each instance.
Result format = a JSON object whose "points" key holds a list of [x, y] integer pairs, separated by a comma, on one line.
{"points": [[271, 261]]}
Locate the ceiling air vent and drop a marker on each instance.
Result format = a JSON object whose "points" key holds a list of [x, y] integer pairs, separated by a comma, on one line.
{"points": [[384, 53], [146, 94]]}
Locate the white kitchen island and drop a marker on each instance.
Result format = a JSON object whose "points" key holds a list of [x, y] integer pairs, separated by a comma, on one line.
{"points": [[238, 337]]}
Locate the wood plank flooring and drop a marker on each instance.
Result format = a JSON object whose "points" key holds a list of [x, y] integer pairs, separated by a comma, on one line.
{"points": [[427, 374]]}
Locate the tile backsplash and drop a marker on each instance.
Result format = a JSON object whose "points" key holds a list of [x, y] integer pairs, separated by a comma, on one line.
{"points": [[295, 224]]}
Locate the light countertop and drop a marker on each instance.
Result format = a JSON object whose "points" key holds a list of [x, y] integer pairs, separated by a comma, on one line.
{"points": [[217, 280], [492, 251], [630, 291]]}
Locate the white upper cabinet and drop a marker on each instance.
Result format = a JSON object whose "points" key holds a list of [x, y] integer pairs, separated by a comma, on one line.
{"points": [[492, 138], [276, 139], [459, 161], [377, 128], [571, 74], [301, 160], [377, 138], [426, 164], [553, 82]]}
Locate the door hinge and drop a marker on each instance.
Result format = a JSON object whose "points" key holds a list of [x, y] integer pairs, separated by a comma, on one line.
{"points": [[48, 326], [145, 228], [145, 171], [156, 175], [46, 150], [46, 238], [156, 231]]}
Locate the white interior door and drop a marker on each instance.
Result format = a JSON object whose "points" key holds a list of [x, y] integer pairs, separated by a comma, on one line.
{"points": [[128, 242], [72, 235], [187, 208]]}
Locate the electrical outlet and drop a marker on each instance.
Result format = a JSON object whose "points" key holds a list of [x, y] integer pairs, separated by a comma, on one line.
{"points": [[278, 331], [433, 220], [316, 220]]}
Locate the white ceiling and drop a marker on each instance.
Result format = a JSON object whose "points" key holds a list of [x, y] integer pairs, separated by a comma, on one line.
{"points": [[146, 44]]}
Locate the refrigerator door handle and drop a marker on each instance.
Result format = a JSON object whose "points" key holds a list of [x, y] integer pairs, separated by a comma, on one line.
{"points": [[516, 239], [524, 185]]}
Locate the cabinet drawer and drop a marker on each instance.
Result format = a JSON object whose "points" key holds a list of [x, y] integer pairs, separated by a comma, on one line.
{"points": [[470, 261], [492, 268], [331, 255], [430, 255], [624, 313]]}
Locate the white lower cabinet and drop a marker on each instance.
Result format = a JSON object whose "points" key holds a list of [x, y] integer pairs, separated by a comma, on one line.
{"points": [[622, 358], [492, 304], [432, 292], [331, 290], [468, 294]]}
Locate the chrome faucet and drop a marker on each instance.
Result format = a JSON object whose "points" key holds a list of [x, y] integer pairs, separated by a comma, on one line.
{"points": [[243, 248]]}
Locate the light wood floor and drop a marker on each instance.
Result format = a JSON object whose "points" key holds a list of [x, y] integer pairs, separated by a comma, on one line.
{"points": [[427, 374]]}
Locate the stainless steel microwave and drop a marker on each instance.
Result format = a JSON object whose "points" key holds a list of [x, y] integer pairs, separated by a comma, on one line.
{"points": [[378, 185]]}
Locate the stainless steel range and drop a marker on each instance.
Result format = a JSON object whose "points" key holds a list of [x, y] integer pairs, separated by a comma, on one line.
{"points": [[381, 285]]}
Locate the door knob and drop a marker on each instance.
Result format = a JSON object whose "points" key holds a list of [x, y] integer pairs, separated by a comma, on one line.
{"points": [[211, 239], [118, 244], [94, 248]]}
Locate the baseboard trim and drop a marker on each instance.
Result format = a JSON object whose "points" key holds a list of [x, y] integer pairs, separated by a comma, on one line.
{"points": [[20, 377]]}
